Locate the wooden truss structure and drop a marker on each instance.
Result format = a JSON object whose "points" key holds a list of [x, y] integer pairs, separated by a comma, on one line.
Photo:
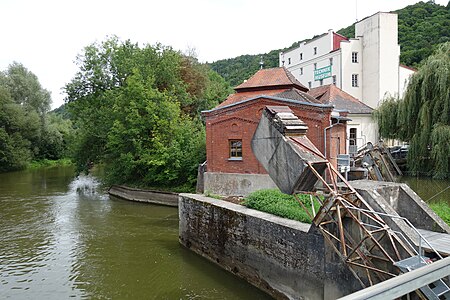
{"points": [[355, 231]]}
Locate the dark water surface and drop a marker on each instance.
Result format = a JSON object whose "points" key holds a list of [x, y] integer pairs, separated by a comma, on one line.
{"points": [[59, 243], [430, 190]]}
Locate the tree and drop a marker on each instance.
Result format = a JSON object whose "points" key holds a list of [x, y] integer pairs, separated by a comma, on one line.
{"points": [[137, 110], [422, 118], [27, 132]]}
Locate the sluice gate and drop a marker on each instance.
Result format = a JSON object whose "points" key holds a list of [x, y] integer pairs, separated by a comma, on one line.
{"points": [[372, 250]]}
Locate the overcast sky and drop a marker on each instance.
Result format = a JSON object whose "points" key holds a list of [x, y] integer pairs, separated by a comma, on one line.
{"points": [[45, 35]]}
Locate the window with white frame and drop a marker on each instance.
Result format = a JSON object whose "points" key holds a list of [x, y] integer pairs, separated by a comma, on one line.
{"points": [[315, 50], [301, 71], [309, 84], [301, 56], [315, 66], [354, 57], [289, 61], [321, 82], [354, 80], [331, 61], [334, 79]]}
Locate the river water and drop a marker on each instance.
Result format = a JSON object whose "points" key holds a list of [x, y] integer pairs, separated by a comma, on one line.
{"points": [[61, 238]]}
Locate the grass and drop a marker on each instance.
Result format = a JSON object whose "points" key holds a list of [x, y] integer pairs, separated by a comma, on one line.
{"points": [[46, 163], [275, 202], [442, 209]]}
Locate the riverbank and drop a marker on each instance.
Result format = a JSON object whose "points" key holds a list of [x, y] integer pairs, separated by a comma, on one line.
{"points": [[47, 163]]}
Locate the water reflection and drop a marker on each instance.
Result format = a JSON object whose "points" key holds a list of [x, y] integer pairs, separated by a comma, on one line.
{"points": [[61, 237], [430, 190]]}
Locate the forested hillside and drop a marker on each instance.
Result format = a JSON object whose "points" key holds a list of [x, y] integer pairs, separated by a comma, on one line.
{"points": [[421, 27]]}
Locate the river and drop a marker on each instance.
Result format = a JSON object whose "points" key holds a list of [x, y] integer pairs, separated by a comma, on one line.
{"points": [[61, 238]]}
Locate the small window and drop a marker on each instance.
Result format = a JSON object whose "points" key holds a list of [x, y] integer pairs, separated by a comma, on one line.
{"points": [[315, 66], [353, 148], [321, 82], [334, 79], [301, 71], [354, 80], [331, 61], [315, 50], [354, 57], [301, 56], [236, 149], [309, 84], [289, 61]]}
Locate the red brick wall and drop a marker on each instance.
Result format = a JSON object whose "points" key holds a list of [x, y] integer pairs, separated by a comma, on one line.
{"points": [[240, 122]]}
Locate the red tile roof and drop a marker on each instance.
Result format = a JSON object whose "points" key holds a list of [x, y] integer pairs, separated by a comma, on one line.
{"points": [[272, 78], [331, 94], [238, 97]]}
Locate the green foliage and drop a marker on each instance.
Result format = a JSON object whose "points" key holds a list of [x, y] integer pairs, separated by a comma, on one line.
{"points": [[387, 116], [442, 209], [275, 202], [236, 70], [46, 163], [26, 131], [421, 27], [137, 111], [422, 118]]}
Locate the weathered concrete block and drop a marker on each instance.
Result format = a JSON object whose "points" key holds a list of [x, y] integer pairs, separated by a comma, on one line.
{"points": [[235, 184], [399, 198], [139, 195], [283, 257], [284, 157]]}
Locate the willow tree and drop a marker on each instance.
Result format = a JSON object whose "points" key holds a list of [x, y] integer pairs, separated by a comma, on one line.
{"points": [[422, 117]]}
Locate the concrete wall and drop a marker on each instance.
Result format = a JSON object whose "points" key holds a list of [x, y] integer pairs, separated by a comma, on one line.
{"points": [[285, 258], [149, 196], [398, 198], [235, 184]]}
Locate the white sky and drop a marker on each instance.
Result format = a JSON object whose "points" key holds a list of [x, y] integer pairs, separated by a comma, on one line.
{"points": [[46, 35]]}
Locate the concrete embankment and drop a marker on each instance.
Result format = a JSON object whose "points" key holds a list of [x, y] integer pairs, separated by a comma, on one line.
{"points": [[148, 196], [285, 258]]}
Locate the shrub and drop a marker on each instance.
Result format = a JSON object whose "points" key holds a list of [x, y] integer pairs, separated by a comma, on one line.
{"points": [[275, 202]]}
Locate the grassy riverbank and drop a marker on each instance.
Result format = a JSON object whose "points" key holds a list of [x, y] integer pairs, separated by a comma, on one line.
{"points": [[45, 163]]}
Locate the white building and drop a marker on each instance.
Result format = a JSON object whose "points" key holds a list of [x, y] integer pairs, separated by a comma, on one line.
{"points": [[366, 67]]}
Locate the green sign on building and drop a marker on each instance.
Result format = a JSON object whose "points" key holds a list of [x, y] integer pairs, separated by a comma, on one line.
{"points": [[322, 73]]}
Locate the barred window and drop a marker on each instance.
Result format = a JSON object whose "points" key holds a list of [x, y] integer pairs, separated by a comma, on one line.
{"points": [[354, 57], [354, 80]]}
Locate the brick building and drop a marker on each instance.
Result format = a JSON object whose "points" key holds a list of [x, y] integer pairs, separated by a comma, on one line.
{"points": [[232, 169]]}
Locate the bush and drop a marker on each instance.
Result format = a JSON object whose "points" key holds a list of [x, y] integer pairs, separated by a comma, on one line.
{"points": [[275, 202]]}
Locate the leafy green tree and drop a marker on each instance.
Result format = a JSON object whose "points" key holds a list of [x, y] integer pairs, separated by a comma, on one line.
{"points": [[137, 111], [422, 118], [26, 90], [26, 131]]}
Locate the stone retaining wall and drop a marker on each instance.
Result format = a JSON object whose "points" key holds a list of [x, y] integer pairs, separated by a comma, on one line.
{"points": [[285, 258]]}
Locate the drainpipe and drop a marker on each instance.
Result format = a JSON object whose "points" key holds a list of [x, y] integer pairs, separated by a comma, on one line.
{"points": [[325, 136]]}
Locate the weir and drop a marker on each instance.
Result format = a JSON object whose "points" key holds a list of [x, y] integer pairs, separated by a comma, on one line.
{"points": [[375, 244]]}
